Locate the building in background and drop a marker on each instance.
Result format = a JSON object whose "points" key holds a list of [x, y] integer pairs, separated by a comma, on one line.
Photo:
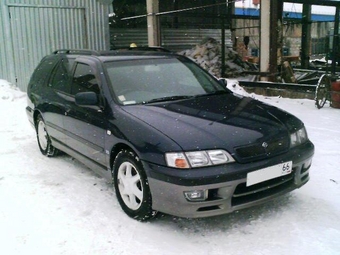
{"points": [[287, 7], [31, 29], [247, 26]]}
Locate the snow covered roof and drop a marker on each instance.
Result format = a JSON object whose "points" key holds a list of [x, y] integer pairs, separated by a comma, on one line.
{"points": [[319, 7], [293, 12], [317, 2]]}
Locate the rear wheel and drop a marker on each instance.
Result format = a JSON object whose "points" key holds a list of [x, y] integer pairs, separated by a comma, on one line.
{"points": [[44, 140], [132, 188]]}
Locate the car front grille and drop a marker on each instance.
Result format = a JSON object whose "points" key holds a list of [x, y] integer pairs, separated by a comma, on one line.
{"points": [[244, 194], [262, 150]]}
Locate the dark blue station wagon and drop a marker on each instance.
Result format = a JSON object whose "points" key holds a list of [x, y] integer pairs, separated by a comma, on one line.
{"points": [[170, 136]]}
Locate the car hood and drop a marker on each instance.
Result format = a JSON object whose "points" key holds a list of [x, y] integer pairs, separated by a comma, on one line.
{"points": [[221, 121]]}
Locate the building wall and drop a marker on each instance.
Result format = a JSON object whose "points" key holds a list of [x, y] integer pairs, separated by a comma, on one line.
{"points": [[192, 18], [172, 39], [34, 28]]}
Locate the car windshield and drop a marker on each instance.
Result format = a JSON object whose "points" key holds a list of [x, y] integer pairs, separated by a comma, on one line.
{"points": [[153, 80]]}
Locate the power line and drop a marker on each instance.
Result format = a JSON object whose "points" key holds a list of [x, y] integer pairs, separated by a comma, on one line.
{"points": [[178, 11]]}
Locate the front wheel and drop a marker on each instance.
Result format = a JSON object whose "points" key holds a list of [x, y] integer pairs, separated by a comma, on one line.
{"points": [[44, 140], [132, 188]]}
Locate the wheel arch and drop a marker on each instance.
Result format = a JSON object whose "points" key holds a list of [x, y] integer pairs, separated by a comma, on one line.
{"points": [[116, 149], [36, 113]]}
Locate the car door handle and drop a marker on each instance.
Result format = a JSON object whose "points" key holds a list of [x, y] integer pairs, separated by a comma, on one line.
{"points": [[67, 110]]}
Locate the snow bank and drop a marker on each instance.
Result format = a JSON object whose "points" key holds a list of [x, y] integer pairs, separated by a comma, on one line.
{"points": [[235, 87], [9, 92]]}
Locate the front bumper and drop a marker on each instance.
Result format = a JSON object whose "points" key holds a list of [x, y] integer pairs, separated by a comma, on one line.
{"points": [[227, 194]]}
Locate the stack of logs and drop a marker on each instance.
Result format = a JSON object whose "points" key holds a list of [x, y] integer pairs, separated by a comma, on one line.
{"points": [[208, 55]]}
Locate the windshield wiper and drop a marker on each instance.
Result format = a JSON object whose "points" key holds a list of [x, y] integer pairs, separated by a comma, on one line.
{"points": [[218, 92], [173, 98], [168, 98]]}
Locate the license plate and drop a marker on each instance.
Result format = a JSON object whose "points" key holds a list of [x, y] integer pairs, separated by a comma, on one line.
{"points": [[269, 173]]}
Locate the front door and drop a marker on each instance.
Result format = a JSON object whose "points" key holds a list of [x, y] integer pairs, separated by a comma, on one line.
{"points": [[85, 127]]}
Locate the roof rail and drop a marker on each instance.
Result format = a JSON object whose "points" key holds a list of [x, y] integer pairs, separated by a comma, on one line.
{"points": [[141, 48], [84, 52]]}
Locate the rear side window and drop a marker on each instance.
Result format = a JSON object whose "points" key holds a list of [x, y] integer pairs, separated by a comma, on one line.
{"points": [[42, 72], [84, 80], [61, 77]]}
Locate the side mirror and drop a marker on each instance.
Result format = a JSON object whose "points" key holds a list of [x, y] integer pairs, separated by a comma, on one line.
{"points": [[223, 82], [89, 100]]}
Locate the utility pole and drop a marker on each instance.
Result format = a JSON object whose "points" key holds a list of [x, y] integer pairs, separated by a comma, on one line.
{"points": [[270, 38], [152, 9], [306, 35], [335, 50]]}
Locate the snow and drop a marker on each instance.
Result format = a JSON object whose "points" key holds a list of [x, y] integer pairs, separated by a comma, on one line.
{"points": [[290, 7], [58, 206]]}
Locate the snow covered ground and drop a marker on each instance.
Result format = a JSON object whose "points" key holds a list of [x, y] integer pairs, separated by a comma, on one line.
{"points": [[58, 206]]}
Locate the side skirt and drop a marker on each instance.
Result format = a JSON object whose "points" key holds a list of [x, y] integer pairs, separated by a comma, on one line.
{"points": [[94, 166]]}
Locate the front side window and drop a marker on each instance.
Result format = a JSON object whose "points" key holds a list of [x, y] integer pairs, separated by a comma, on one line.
{"points": [[148, 80], [84, 80]]}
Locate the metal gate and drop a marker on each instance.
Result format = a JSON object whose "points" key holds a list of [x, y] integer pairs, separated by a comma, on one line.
{"points": [[37, 31], [172, 39]]}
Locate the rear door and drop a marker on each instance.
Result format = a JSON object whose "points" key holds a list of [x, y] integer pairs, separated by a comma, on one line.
{"points": [[57, 97], [49, 81], [84, 126]]}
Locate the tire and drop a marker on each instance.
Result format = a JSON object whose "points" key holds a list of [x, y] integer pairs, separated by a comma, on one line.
{"points": [[44, 140], [131, 186]]}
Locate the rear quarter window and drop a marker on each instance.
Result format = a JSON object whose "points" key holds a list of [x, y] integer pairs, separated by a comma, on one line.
{"points": [[42, 72], [60, 79]]}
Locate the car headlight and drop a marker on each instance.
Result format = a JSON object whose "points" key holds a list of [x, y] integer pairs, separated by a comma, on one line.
{"points": [[198, 158], [298, 137]]}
